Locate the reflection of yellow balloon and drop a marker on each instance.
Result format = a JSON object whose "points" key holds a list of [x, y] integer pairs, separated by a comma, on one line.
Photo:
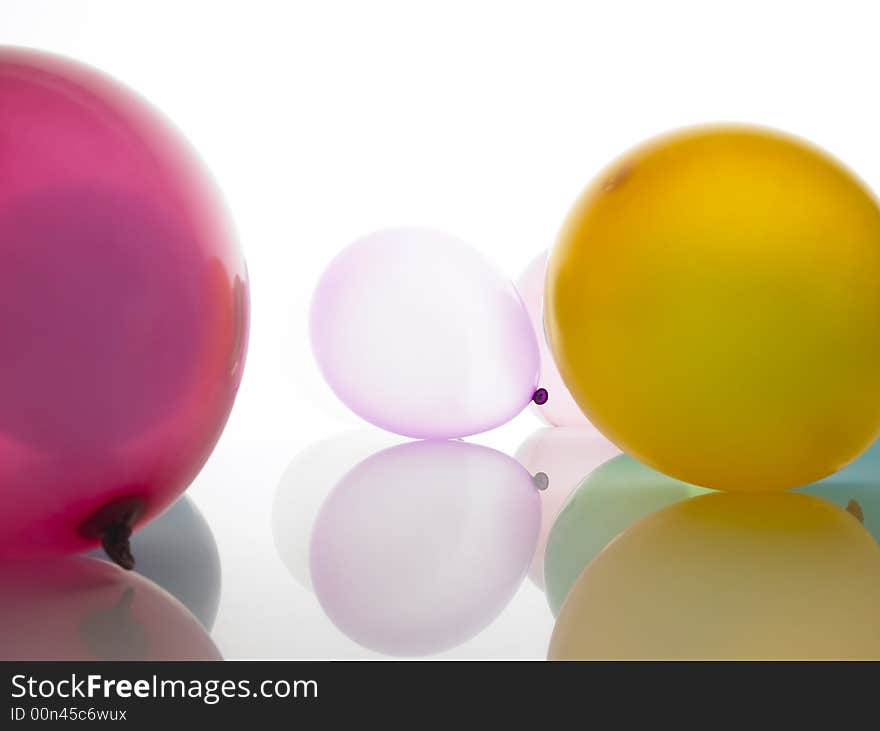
{"points": [[725, 576], [713, 304]]}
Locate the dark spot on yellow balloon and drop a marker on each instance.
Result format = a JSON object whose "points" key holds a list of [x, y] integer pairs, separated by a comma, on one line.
{"points": [[854, 509], [617, 178]]}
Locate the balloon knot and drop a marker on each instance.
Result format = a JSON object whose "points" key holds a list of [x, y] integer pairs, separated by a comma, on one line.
{"points": [[116, 544], [111, 524], [540, 396]]}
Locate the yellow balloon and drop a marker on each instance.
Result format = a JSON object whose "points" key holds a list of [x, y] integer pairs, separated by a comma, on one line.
{"points": [[725, 576], [713, 304]]}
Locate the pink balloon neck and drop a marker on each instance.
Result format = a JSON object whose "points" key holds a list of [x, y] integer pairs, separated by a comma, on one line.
{"points": [[112, 524]]}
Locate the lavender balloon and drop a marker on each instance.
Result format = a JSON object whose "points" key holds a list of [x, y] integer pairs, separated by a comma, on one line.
{"points": [[560, 408], [419, 334]]}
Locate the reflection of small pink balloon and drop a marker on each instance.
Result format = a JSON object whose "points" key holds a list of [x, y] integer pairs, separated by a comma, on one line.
{"points": [[86, 609], [422, 545], [418, 334], [560, 408], [125, 309], [566, 455]]}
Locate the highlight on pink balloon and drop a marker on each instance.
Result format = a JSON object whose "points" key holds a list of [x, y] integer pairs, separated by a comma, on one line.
{"points": [[86, 609], [560, 408], [422, 545], [125, 302], [560, 458], [417, 333]]}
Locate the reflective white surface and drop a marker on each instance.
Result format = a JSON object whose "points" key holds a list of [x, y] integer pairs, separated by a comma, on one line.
{"points": [[262, 499]]}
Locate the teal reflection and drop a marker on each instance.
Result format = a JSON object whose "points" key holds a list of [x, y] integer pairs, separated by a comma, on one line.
{"points": [[622, 491], [609, 500], [855, 488]]}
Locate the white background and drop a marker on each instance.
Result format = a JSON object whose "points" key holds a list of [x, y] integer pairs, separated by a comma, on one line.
{"points": [[326, 120]]}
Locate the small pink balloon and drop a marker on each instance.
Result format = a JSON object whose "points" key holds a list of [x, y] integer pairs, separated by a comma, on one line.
{"points": [[125, 310], [418, 334], [422, 545], [560, 408], [564, 456]]}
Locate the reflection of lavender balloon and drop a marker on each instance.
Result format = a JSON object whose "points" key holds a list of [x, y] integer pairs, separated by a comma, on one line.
{"points": [[422, 545], [306, 482], [560, 408], [418, 334], [566, 455]]}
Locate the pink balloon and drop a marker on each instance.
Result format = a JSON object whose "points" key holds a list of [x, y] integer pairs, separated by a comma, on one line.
{"points": [[418, 334], [125, 309], [422, 545], [85, 609], [560, 408], [566, 455]]}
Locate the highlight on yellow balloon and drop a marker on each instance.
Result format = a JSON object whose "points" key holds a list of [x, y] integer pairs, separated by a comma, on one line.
{"points": [[729, 576], [712, 303]]}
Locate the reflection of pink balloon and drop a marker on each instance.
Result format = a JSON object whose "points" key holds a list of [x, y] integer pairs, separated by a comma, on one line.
{"points": [[418, 334], [86, 609], [566, 455], [422, 545], [560, 408], [125, 309]]}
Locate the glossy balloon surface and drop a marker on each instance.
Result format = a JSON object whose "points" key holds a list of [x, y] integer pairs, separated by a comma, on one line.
{"points": [[420, 546], [419, 334], [566, 455], [729, 576], [612, 498], [713, 305], [125, 306], [560, 408], [86, 609]]}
